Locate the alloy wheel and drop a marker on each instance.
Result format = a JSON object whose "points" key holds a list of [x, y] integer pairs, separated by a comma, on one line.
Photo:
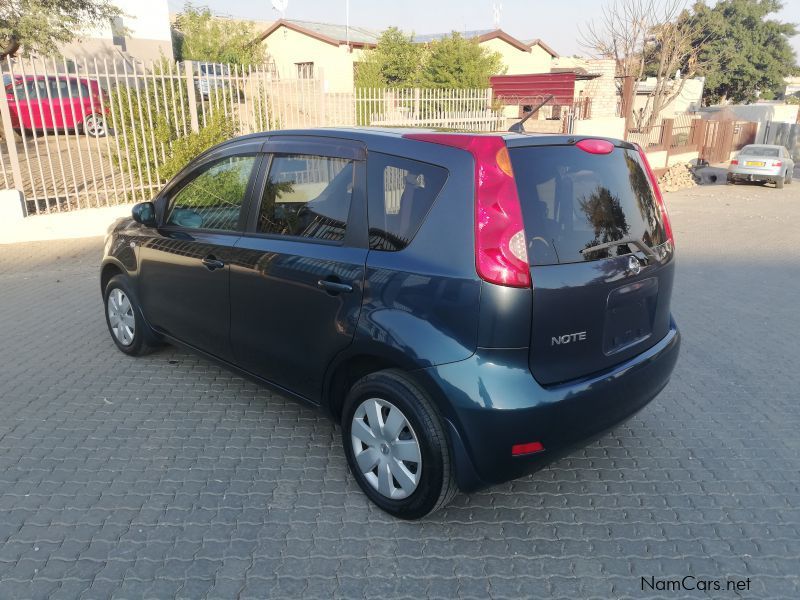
{"points": [[120, 317], [95, 126], [386, 448]]}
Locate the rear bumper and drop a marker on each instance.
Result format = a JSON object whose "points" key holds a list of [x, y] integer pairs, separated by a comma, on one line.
{"points": [[494, 402], [743, 174]]}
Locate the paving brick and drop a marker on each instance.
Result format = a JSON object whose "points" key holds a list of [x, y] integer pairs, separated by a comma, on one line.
{"points": [[169, 476]]}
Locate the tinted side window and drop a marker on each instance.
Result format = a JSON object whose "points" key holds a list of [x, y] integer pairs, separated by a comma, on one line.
{"points": [[37, 88], [78, 89], [58, 88], [213, 198], [401, 192], [307, 196]]}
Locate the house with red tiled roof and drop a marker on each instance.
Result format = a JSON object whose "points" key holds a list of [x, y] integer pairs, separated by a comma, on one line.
{"points": [[309, 50]]}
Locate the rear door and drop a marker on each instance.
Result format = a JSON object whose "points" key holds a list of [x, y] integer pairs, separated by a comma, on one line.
{"points": [[297, 282], [592, 309]]}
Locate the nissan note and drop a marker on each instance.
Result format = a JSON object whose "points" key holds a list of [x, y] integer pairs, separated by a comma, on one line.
{"points": [[468, 307]]}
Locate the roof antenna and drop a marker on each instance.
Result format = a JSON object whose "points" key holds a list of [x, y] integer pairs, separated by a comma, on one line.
{"points": [[280, 6], [497, 9], [518, 126]]}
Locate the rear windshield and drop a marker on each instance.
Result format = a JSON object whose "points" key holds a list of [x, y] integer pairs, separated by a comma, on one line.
{"points": [[759, 151], [573, 200]]}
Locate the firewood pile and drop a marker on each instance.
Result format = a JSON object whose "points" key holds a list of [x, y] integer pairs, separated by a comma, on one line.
{"points": [[678, 177]]}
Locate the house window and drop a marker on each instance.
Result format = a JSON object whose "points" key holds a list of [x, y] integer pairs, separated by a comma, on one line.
{"points": [[305, 70]]}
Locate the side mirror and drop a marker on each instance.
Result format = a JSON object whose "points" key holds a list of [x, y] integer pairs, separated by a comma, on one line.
{"points": [[144, 213]]}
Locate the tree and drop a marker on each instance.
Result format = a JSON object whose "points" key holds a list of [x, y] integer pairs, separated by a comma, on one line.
{"points": [[744, 52], [455, 62], [40, 25], [646, 37], [199, 35], [395, 62]]}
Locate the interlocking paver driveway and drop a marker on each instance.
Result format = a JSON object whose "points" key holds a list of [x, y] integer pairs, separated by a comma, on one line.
{"points": [[169, 476]]}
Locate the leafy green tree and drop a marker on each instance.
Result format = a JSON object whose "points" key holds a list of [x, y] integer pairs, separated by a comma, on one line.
{"points": [[456, 62], [154, 145], [40, 25], [395, 62], [742, 50], [199, 35]]}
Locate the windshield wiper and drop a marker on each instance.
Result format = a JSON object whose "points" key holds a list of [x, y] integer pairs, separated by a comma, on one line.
{"points": [[639, 244]]}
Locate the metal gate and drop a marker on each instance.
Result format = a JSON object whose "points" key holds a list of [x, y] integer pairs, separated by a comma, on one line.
{"points": [[723, 137]]}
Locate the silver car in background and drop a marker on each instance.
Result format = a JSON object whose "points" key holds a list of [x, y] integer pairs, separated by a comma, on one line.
{"points": [[764, 163]]}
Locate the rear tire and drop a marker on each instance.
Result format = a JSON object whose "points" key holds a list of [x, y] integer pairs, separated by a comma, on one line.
{"points": [[408, 474], [788, 177], [124, 318], [94, 125], [779, 182]]}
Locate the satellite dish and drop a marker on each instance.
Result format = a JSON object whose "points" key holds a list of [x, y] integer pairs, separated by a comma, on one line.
{"points": [[280, 6]]}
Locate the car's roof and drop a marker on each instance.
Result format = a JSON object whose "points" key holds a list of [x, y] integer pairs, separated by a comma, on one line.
{"points": [[764, 146], [367, 134]]}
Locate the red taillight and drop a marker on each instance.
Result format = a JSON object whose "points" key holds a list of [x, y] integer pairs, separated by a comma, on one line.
{"points": [[529, 448], [593, 146], [777, 163], [734, 162], [501, 254], [657, 192]]}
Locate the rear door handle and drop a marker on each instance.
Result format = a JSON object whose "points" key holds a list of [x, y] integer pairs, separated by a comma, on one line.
{"points": [[211, 262], [334, 287]]}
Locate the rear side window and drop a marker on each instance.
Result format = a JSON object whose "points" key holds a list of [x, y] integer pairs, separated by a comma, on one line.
{"points": [[401, 192], [573, 200], [307, 196]]}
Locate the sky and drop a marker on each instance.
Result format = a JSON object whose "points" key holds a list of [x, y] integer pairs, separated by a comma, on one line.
{"points": [[557, 24]]}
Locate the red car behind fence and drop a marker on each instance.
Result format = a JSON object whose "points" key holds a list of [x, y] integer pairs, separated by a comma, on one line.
{"points": [[57, 103]]}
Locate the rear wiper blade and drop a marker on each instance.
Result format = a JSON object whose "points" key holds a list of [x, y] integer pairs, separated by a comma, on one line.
{"points": [[639, 244]]}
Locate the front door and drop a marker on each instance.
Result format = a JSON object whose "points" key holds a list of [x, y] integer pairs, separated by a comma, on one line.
{"points": [[185, 265], [297, 282]]}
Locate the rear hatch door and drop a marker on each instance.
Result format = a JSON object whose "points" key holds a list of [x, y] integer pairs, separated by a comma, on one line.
{"points": [[600, 258]]}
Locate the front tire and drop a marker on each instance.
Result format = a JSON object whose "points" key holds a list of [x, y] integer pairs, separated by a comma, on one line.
{"points": [[127, 326], [396, 447]]}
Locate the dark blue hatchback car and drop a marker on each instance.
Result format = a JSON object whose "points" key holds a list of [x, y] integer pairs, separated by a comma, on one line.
{"points": [[467, 306]]}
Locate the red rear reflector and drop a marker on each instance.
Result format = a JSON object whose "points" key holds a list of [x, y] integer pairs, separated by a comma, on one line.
{"points": [[596, 146], [657, 191], [734, 162], [501, 254], [529, 448]]}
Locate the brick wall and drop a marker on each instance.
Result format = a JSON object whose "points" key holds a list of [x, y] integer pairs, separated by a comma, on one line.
{"points": [[602, 90]]}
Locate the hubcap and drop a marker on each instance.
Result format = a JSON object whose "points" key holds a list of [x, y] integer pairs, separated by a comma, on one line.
{"points": [[120, 317], [386, 448]]}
